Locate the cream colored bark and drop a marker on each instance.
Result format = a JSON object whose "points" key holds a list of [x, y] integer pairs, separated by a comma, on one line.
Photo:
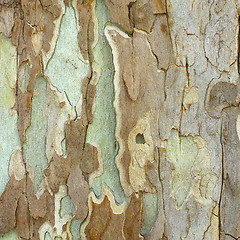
{"points": [[119, 119]]}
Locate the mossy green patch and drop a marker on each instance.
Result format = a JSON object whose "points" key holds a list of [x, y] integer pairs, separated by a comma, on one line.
{"points": [[9, 138], [65, 69], [102, 130], [150, 212], [12, 235], [192, 174], [35, 144]]}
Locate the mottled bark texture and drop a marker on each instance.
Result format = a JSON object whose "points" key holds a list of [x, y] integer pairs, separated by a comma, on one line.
{"points": [[119, 119]]}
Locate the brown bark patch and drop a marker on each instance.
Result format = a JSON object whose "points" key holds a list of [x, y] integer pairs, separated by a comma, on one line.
{"points": [[123, 6], [133, 218], [104, 224], [8, 204], [86, 25], [89, 162]]}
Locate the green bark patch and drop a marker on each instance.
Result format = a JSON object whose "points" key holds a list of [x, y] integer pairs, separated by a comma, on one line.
{"points": [[65, 69], [35, 145], [9, 140], [102, 130], [192, 174]]}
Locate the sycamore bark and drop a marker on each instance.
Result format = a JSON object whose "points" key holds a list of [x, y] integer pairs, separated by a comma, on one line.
{"points": [[119, 119]]}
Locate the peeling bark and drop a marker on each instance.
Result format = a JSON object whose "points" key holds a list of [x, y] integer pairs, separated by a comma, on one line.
{"points": [[119, 119]]}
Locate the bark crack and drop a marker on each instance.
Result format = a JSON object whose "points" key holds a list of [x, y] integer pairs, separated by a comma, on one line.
{"points": [[162, 192], [222, 179], [238, 57], [230, 235]]}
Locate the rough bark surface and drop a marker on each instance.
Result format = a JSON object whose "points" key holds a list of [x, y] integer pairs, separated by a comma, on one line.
{"points": [[119, 119]]}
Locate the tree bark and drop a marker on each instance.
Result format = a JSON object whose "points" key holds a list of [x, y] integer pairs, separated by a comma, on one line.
{"points": [[119, 119]]}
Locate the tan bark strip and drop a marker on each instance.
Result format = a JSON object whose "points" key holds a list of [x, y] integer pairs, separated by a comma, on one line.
{"points": [[162, 47], [89, 162], [158, 6], [138, 14], [77, 166], [123, 6], [229, 204], [23, 218], [32, 33], [133, 218], [142, 15], [85, 15], [137, 104], [153, 172], [222, 102]]}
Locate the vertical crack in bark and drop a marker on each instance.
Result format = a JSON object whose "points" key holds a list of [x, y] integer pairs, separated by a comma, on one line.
{"points": [[238, 57], [181, 112], [168, 20], [207, 229], [162, 192], [188, 75], [26, 194], [164, 83], [222, 181]]}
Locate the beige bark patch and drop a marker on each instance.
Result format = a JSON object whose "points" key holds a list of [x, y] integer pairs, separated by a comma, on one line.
{"points": [[141, 149], [221, 35], [37, 41], [238, 126], [160, 41], [142, 15], [59, 111], [16, 166], [58, 229], [214, 228], [192, 173], [159, 6], [220, 95], [190, 97], [6, 20]]}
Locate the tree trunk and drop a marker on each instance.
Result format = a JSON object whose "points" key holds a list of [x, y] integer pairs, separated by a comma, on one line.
{"points": [[119, 119]]}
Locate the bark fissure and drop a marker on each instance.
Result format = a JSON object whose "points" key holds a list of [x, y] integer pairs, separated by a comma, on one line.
{"points": [[222, 183]]}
